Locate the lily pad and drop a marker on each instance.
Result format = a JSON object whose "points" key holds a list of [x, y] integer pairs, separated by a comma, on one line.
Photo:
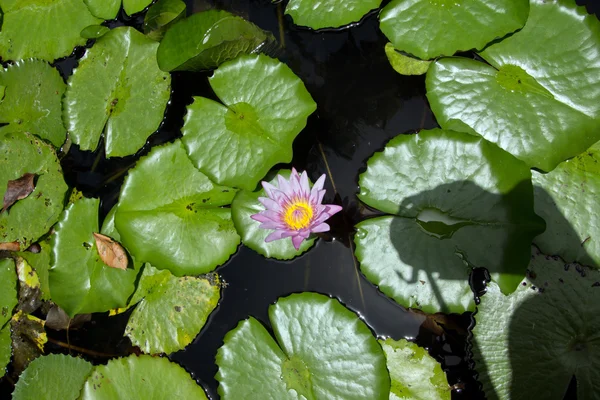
{"points": [[33, 100], [172, 216], [53, 35], [41, 379], [94, 31], [457, 201], [414, 373], [404, 64], [530, 344], [40, 262], [80, 282], [8, 301], [265, 107], [207, 39], [5, 349], [246, 204], [566, 198], [162, 15], [30, 218], [540, 103], [117, 90], [428, 29], [108, 9], [170, 311], [142, 377], [326, 352], [317, 14]]}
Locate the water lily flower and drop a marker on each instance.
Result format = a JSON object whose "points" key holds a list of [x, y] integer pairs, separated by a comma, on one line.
{"points": [[294, 209]]}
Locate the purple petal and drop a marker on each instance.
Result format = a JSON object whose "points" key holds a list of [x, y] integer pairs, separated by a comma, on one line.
{"points": [[304, 186], [332, 209], [259, 217], [270, 204], [272, 225], [323, 227], [297, 241], [284, 185], [279, 234], [269, 189], [317, 187]]}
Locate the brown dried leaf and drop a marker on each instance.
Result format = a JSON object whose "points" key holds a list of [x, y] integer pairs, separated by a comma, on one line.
{"points": [[10, 246], [18, 189], [111, 252]]}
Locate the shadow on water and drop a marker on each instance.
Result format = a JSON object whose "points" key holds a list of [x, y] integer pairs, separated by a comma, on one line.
{"points": [[551, 366]]}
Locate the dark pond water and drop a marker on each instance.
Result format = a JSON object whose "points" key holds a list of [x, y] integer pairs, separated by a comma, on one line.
{"points": [[362, 103]]}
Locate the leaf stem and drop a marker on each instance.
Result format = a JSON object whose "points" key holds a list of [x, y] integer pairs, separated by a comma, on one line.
{"points": [[81, 349]]}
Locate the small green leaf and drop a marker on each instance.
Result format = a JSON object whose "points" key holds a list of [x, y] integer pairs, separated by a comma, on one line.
{"points": [[531, 343], [171, 311], [117, 90], [94, 31], [540, 103], [52, 377], [53, 35], [403, 64], [142, 377], [460, 201], [265, 106], [428, 29], [80, 282], [5, 349], [30, 218], [414, 373], [33, 100], [172, 216], [326, 352], [244, 205], [162, 15], [8, 290], [317, 14], [567, 198], [108, 9], [207, 39]]}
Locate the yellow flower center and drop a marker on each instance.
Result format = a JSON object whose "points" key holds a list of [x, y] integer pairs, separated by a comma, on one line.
{"points": [[298, 215]]}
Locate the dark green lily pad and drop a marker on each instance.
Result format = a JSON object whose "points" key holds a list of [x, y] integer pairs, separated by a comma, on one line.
{"points": [[326, 352], [530, 344], [246, 204], [457, 201], [80, 282], [52, 377], [5, 349], [404, 64], [94, 31], [207, 39], [414, 373], [30, 218], [540, 103], [172, 216], [108, 9], [265, 107], [118, 90], [162, 15], [33, 100], [170, 311], [428, 29], [567, 199], [142, 377], [317, 14], [8, 301], [53, 35]]}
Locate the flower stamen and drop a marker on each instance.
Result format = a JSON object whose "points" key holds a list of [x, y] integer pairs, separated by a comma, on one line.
{"points": [[298, 215]]}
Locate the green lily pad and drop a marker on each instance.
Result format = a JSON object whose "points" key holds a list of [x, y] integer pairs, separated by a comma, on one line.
{"points": [[117, 89], [53, 35], [108, 9], [80, 282], [161, 16], [142, 377], [326, 352], [265, 107], [52, 377], [8, 290], [172, 216], [33, 100], [457, 201], [245, 204], [317, 14], [530, 344], [170, 311], [414, 373], [207, 39], [5, 349], [403, 64], [566, 198], [41, 264], [428, 29], [30, 218], [540, 103], [94, 31]]}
